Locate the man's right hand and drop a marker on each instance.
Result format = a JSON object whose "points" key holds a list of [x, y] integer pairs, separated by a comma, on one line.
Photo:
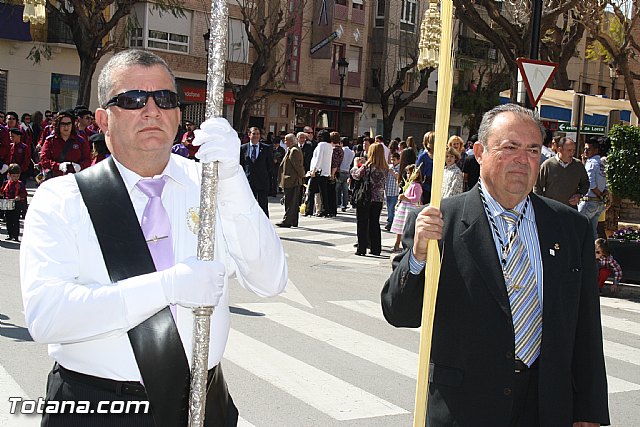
{"points": [[428, 227], [194, 283]]}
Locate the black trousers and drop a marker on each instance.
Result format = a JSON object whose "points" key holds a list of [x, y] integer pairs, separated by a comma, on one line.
{"points": [[291, 205], [66, 386], [12, 218], [368, 227], [332, 206], [317, 184], [262, 196]]}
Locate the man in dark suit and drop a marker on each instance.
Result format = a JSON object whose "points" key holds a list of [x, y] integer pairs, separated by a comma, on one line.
{"points": [[501, 242], [291, 175], [256, 159]]}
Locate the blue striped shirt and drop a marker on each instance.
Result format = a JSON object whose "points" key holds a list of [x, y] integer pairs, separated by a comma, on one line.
{"points": [[527, 232]]}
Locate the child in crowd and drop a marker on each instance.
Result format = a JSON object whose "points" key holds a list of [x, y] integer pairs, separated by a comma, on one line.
{"points": [[608, 266], [409, 199], [452, 180], [14, 189], [391, 188]]}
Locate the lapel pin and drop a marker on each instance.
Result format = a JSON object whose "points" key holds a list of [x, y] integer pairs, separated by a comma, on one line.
{"points": [[556, 247], [552, 252]]}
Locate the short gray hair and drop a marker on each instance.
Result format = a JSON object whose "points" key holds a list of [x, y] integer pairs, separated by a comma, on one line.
{"points": [[125, 59], [299, 134], [523, 113], [291, 137]]}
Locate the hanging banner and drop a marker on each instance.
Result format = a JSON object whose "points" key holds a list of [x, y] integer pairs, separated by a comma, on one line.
{"points": [[322, 32]]}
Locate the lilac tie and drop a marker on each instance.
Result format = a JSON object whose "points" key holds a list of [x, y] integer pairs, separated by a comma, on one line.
{"points": [[156, 225]]}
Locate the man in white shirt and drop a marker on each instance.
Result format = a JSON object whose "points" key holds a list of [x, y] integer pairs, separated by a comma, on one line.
{"points": [[320, 172], [86, 318]]}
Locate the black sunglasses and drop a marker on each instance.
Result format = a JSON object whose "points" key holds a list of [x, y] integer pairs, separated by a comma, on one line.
{"points": [[136, 99]]}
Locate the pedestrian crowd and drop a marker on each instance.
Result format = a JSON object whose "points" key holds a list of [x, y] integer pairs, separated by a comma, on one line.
{"points": [[317, 173]]}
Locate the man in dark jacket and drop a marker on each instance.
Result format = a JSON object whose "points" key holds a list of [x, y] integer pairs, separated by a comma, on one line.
{"points": [[256, 159]]}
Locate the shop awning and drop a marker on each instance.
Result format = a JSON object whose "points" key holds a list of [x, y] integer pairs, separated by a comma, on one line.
{"points": [[329, 105], [556, 105]]}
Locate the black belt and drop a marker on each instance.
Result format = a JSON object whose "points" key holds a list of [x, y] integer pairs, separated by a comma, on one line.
{"points": [[521, 366], [132, 388]]}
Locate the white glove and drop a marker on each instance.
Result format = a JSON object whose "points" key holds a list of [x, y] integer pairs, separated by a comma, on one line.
{"points": [[63, 167], [193, 283], [4, 169], [218, 141], [76, 167]]}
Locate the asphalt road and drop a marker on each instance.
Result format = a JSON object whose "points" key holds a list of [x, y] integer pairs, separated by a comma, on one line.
{"points": [[320, 354]]}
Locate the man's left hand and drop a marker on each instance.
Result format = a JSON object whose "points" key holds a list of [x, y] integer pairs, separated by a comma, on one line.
{"points": [[219, 142]]}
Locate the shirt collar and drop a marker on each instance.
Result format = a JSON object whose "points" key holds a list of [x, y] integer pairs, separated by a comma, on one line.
{"points": [[562, 163], [171, 170], [496, 209]]}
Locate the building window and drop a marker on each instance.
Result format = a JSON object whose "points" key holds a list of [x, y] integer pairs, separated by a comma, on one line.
{"points": [[293, 43], [341, 2], [168, 41], [338, 52], [586, 88], [380, 12], [408, 83], [358, 4], [64, 91], [237, 42], [154, 30], [136, 39], [354, 57], [408, 12]]}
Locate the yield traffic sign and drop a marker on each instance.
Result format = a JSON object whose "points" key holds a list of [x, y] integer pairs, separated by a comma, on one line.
{"points": [[537, 75]]}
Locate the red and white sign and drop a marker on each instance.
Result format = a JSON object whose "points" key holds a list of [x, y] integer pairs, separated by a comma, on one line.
{"points": [[537, 75], [194, 94], [229, 99]]}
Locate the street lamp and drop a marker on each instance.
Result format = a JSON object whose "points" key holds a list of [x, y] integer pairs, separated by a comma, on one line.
{"points": [[613, 73], [343, 67]]}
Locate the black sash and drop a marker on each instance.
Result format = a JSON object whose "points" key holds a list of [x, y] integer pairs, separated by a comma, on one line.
{"points": [[156, 343]]}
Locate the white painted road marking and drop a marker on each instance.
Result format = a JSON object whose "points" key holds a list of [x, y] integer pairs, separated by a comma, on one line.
{"points": [[328, 394]]}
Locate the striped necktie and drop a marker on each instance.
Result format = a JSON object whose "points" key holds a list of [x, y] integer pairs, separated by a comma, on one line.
{"points": [[526, 313]]}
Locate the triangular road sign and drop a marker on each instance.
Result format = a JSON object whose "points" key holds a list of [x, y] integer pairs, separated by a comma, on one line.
{"points": [[537, 75]]}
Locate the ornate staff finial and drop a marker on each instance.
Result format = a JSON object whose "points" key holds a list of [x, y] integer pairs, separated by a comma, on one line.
{"points": [[430, 32], [34, 11]]}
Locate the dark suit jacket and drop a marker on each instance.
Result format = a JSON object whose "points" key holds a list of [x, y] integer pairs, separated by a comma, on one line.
{"points": [[291, 171], [259, 172], [307, 153], [472, 360]]}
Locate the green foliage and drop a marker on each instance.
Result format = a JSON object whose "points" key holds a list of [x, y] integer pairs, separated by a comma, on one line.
{"points": [[39, 52], [596, 51], [623, 162]]}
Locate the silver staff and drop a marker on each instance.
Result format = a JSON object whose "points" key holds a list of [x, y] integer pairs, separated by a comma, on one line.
{"points": [[208, 195]]}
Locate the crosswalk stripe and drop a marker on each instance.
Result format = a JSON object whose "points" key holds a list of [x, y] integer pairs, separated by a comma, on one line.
{"points": [[349, 260], [328, 394], [9, 388], [292, 293], [617, 385], [304, 227], [244, 423], [341, 337], [622, 352], [368, 308], [622, 325], [349, 246], [620, 304]]}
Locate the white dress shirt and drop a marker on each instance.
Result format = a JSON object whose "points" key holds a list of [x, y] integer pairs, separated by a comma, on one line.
{"points": [[71, 304], [345, 166], [321, 159]]}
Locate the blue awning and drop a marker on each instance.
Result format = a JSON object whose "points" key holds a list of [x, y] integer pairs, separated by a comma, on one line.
{"points": [[11, 25]]}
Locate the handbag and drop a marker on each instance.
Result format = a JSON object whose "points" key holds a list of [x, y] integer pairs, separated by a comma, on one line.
{"points": [[362, 192]]}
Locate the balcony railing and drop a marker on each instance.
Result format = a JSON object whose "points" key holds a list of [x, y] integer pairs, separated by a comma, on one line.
{"points": [[58, 31], [476, 49]]}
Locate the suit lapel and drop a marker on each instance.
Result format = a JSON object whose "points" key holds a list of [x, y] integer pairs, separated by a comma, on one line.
{"points": [[479, 242]]}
